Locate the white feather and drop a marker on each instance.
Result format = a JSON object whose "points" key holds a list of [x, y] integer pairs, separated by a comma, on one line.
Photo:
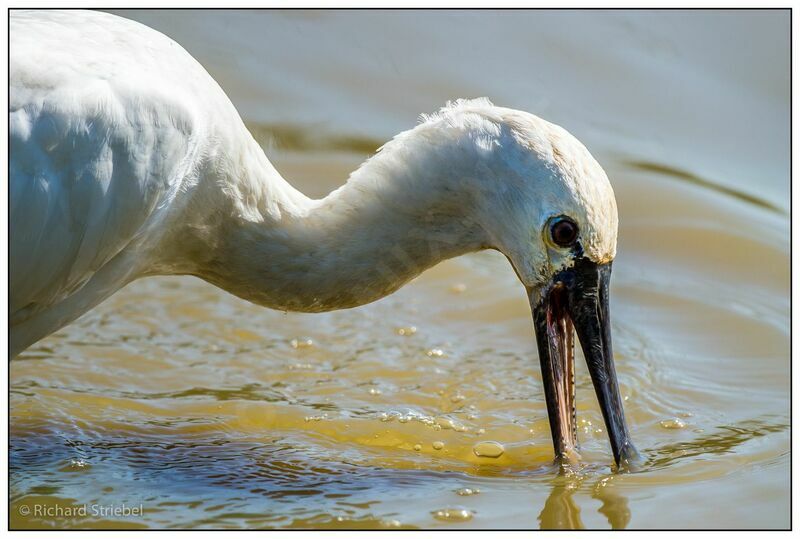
{"points": [[127, 160]]}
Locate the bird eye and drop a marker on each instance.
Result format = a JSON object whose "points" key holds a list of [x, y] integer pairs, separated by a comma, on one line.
{"points": [[563, 231]]}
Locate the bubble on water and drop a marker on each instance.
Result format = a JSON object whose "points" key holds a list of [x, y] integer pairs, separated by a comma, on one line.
{"points": [[374, 391], [458, 397], [438, 445], [301, 343], [310, 418], [481, 431], [391, 523], [466, 491], [488, 449], [417, 447], [458, 288], [673, 423], [455, 514], [406, 331], [435, 352], [450, 424]]}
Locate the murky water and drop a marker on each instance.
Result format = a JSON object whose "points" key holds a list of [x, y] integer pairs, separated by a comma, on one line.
{"points": [[206, 411]]}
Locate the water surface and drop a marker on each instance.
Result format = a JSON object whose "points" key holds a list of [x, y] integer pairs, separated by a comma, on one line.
{"points": [[211, 412]]}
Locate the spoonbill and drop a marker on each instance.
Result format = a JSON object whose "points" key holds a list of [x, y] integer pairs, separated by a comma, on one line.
{"points": [[128, 160]]}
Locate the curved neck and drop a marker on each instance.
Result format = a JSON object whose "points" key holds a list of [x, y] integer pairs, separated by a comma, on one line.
{"points": [[399, 214]]}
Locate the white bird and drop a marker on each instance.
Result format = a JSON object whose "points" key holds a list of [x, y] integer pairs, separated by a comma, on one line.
{"points": [[127, 160]]}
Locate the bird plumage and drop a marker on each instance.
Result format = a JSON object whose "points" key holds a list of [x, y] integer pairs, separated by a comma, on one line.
{"points": [[127, 160]]}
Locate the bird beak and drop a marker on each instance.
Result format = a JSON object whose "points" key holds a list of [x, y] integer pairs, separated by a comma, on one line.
{"points": [[577, 298]]}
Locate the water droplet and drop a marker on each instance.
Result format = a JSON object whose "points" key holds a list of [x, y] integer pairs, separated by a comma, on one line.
{"points": [[435, 352], [674, 423], [417, 447], [301, 343], [438, 445], [467, 491], [407, 331], [453, 515], [488, 449]]}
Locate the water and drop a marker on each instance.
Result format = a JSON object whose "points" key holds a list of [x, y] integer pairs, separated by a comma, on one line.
{"points": [[206, 411]]}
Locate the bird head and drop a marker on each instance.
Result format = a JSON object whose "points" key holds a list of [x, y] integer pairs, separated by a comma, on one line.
{"points": [[544, 202]]}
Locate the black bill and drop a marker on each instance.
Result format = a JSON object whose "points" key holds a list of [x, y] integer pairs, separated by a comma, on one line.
{"points": [[577, 298]]}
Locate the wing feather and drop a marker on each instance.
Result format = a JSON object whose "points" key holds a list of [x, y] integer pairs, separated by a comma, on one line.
{"points": [[95, 150]]}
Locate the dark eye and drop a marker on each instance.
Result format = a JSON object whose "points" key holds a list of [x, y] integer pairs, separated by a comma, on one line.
{"points": [[564, 231]]}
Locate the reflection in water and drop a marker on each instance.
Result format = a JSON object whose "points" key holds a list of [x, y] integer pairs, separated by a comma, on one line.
{"points": [[615, 506], [562, 512]]}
